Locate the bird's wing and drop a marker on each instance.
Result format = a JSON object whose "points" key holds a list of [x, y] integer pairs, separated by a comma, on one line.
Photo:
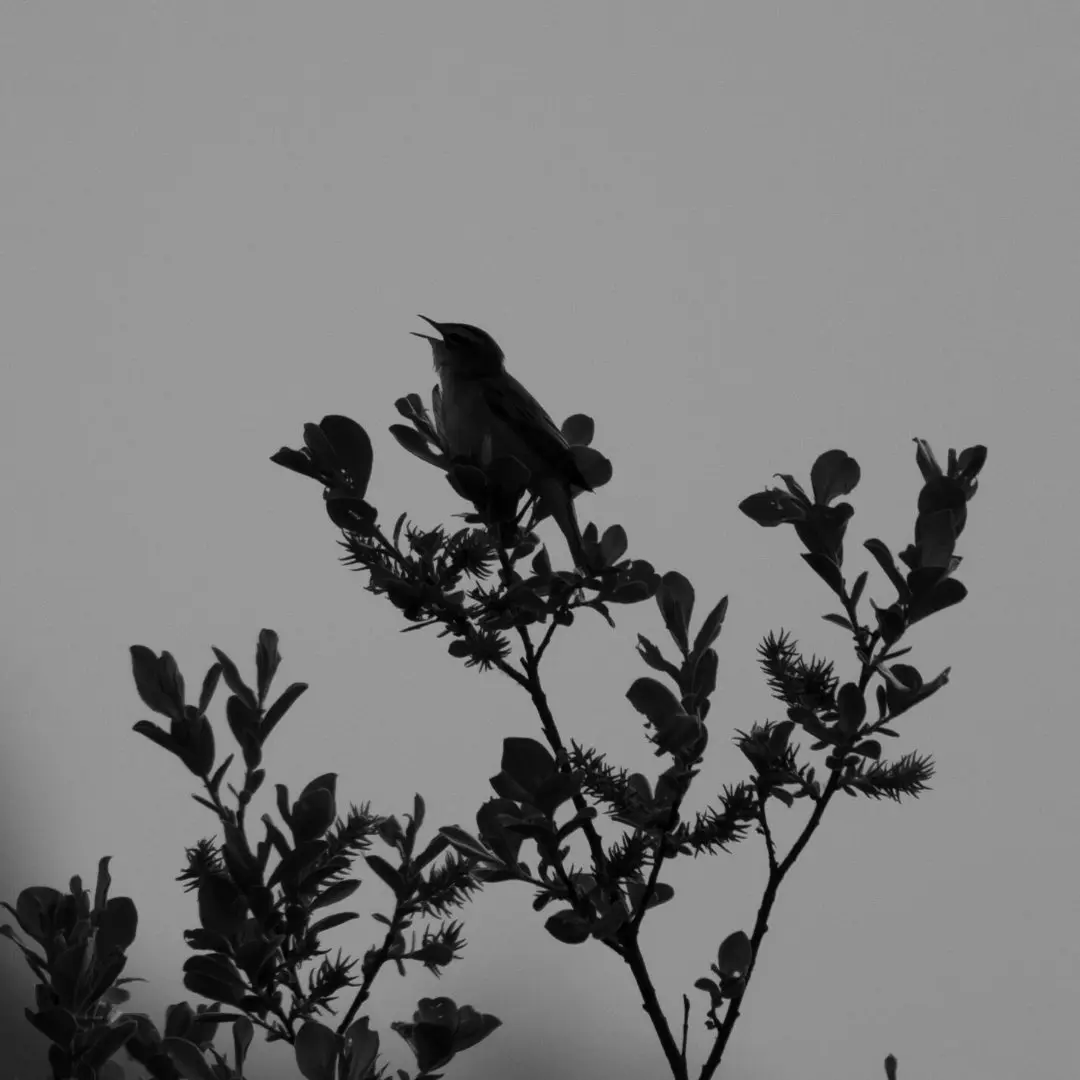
{"points": [[511, 403]]}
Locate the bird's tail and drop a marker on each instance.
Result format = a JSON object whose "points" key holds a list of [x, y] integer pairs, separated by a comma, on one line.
{"points": [[555, 497]]}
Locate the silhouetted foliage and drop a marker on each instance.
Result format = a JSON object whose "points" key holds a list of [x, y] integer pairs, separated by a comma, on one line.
{"points": [[490, 588]]}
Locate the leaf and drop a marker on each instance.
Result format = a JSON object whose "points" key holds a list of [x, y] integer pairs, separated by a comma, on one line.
{"points": [[735, 955], [350, 514], [243, 1033], [104, 880], [661, 893], [335, 893], [595, 469], [433, 1044], [222, 908], [117, 924], [209, 685], [416, 444], [390, 875], [293, 866], [911, 689], [794, 487], [716, 996], [464, 843], [296, 460], [924, 458], [215, 977], [157, 735], [313, 814], [280, 707], [703, 682], [838, 620], [655, 658], [780, 736], [219, 775], [653, 699], [568, 927], [352, 448], [233, 681], [361, 1049], [578, 430], [891, 621], [267, 659], [188, 1059], [885, 560], [675, 598], [826, 568], [527, 762], [613, 545], [945, 594], [57, 1025], [436, 846], [412, 405], [833, 475], [473, 1027], [679, 734], [935, 536], [772, 507], [155, 685], [551, 793], [857, 588], [711, 627], [244, 725], [970, 463], [102, 1042], [195, 743], [337, 919], [541, 564], [851, 705]]}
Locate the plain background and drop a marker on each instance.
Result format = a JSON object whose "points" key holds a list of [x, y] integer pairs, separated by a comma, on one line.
{"points": [[736, 235]]}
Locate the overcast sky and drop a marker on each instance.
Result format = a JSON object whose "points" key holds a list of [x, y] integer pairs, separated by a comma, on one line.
{"points": [[737, 235]]}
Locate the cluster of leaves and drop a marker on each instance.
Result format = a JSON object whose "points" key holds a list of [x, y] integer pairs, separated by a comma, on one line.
{"points": [[84, 951], [259, 954], [436, 577], [549, 795]]}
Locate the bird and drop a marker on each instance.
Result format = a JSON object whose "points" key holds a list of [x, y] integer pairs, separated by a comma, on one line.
{"points": [[487, 414]]}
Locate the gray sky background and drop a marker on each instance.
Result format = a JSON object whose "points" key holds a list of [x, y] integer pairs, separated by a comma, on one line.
{"points": [[736, 235]]}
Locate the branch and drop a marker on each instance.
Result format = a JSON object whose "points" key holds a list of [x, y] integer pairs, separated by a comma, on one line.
{"points": [[675, 1059], [372, 969], [761, 925]]}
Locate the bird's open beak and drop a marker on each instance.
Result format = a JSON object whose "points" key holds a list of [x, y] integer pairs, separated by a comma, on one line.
{"points": [[428, 337]]}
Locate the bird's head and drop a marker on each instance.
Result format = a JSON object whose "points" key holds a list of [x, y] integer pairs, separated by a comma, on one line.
{"points": [[466, 349]]}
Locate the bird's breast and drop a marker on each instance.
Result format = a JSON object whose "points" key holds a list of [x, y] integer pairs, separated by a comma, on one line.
{"points": [[466, 418]]}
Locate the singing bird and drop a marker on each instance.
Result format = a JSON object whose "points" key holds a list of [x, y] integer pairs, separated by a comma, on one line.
{"points": [[487, 414]]}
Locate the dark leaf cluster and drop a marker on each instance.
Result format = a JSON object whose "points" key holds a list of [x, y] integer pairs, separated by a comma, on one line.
{"points": [[438, 578], [263, 906], [908, 775], [809, 684], [717, 828]]}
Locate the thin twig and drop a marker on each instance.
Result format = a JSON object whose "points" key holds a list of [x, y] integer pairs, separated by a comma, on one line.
{"points": [[372, 969], [658, 861], [866, 641], [685, 1028], [761, 925], [770, 845]]}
